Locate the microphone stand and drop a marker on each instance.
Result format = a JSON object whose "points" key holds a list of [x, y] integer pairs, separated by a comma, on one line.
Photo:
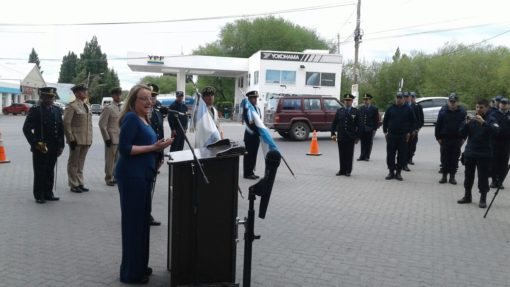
{"points": [[500, 184], [249, 237]]}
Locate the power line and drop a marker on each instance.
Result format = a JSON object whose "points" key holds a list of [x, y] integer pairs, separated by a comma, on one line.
{"points": [[310, 8]]}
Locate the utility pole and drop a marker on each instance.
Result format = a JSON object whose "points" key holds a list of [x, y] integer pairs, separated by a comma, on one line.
{"points": [[338, 43], [357, 40]]}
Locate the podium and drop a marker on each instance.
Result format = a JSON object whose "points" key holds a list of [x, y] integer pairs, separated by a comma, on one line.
{"points": [[202, 230]]}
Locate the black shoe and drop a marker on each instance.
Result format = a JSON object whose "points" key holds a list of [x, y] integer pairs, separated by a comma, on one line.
{"points": [[367, 159], [493, 185], [360, 159], [40, 201], [406, 168], [443, 179], [83, 188], [155, 223], [110, 183], [411, 162], [348, 174], [143, 280], [76, 189], [340, 173], [483, 203], [398, 176], [390, 175], [452, 180], [53, 198], [464, 200], [149, 271], [251, 176]]}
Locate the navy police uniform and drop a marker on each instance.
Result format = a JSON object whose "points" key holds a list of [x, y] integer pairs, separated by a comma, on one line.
{"points": [[420, 121], [501, 145], [347, 126], [398, 123], [251, 139], [178, 143], [156, 121], [447, 133], [44, 131], [370, 121]]}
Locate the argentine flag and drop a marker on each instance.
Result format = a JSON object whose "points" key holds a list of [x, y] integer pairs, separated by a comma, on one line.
{"points": [[267, 144], [202, 124]]}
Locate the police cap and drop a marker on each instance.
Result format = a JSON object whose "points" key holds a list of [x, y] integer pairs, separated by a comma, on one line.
{"points": [[154, 89], [497, 98], [367, 97], [79, 87], [413, 94], [179, 94], [453, 97], [504, 101], [48, 91], [348, 97], [208, 91], [399, 95], [252, 94], [116, 91], [406, 94]]}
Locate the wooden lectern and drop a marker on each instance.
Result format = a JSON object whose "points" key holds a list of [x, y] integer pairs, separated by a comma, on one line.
{"points": [[202, 229]]}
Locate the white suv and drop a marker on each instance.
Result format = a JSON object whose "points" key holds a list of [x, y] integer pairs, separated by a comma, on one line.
{"points": [[431, 107]]}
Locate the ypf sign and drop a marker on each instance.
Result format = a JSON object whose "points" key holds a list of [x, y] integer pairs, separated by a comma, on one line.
{"points": [[156, 59]]}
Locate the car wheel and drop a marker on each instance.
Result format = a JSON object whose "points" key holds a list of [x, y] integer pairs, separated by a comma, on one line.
{"points": [[299, 131], [284, 135]]}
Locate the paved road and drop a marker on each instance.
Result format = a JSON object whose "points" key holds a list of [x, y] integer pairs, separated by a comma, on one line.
{"points": [[320, 229]]}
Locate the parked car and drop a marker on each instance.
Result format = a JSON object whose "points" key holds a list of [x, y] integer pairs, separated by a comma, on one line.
{"points": [[96, 109], [60, 105], [431, 107], [295, 116], [18, 108]]}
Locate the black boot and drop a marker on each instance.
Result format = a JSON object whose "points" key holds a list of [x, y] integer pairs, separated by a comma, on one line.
{"points": [[494, 184], [466, 198], [398, 176], [483, 197], [452, 178], [443, 179], [390, 175], [406, 168]]}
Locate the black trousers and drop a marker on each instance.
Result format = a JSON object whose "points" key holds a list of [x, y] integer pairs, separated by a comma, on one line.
{"points": [[178, 143], [396, 145], [44, 175], [346, 153], [135, 207], [366, 142], [450, 154], [501, 154], [251, 142], [412, 147], [482, 165]]}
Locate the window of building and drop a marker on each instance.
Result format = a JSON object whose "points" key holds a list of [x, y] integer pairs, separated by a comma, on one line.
{"points": [[312, 104], [240, 82], [320, 79], [291, 104], [256, 77], [249, 80], [280, 77]]}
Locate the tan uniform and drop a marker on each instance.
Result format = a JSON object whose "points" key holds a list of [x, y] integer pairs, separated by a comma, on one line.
{"points": [[109, 126], [77, 128]]}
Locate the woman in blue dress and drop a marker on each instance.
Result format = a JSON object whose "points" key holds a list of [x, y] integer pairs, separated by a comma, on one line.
{"points": [[135, 172]]}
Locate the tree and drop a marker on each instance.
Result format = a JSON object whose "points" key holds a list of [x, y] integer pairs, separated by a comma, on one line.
{"points": [[34, 58], [68, 68]]}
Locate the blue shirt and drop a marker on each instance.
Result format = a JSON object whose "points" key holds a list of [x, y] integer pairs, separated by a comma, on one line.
{"points": [[133, 131]]}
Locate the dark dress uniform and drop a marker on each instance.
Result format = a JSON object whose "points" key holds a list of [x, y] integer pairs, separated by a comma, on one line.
{"points": [[178, 143], [347, 125], [370, 121], [398, 123], [478, 156], [420, 121], [44, 124], [500, 146], [447, 130], [135, 176], [156, 122], [251, 141]]}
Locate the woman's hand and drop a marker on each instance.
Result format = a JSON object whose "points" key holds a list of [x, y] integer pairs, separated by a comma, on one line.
{"points": [[162, 144]]}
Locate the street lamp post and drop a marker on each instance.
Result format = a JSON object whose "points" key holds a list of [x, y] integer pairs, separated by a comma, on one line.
{"points": [[88, 78]]}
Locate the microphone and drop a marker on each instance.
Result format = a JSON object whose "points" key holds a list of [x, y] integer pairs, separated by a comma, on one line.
{"points": [[176, 112]]}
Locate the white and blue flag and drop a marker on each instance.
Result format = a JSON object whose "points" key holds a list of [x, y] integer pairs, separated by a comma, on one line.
{"points": [[267, 144], [203, 125]]}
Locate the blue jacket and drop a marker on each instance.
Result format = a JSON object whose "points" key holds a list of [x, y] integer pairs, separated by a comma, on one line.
{"points": [[503, 120], [449, 123], [370, 119], [172, 120], [399, 120], [479, 137]]}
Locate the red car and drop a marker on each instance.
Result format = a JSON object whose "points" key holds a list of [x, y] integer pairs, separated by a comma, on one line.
{"points": [[16, 109]]}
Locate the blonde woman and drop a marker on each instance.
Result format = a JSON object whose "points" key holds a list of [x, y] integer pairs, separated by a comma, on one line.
{"points": [[135, 172]]}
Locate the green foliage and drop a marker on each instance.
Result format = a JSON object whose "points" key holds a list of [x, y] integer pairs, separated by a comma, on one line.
{"points": [[68, 68], [34, 58], [245, 37]]}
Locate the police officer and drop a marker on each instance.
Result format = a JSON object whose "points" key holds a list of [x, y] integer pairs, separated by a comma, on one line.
{"points": [[398, 124], [418, 113], [156, 121], [501, 144], [447, 131], [78, 131], [251, 137], [109, 126], [494, 106], [370, 120], [346, 129], [178, 134], [478, 151], [44, 131]]}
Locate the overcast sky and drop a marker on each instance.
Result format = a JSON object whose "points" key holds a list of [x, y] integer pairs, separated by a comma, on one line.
{"points": [[410, 25]]}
